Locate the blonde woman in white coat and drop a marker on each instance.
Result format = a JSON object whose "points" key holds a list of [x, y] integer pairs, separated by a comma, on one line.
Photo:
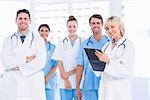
{"points": [[119, 57]]}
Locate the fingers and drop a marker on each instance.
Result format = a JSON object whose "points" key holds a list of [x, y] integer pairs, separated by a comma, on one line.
{"points": [[68, 84], [99, 54], [79, 94], [30, 58], [96, 51]]}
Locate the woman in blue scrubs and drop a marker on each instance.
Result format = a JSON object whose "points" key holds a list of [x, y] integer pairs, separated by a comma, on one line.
{"points": [[50, 67]]}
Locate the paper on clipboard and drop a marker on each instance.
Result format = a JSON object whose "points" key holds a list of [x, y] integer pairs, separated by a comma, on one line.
{"points": [[96, 64]]}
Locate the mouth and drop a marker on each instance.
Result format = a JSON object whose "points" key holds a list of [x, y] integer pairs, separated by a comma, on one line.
{"points": [[95, 28], [112, 34], [22, 25]]}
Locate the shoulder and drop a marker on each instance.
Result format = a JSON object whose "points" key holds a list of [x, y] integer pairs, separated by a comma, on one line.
{"points": [[36, 36], [52, 45], [66, 39], [10, 37], [86, 40], [62, 41], [129, 43], [105, 38], [38, 39], [81, 38]]}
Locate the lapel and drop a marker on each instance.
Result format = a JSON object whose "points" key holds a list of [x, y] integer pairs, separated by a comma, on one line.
{"points": [[69, 43], [120, 42], [28, 39], [18, 39], [76, 43]]}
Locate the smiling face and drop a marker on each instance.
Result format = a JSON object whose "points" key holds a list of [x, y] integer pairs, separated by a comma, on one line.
{"points": [[72, 27], [44, 31], [113, 30], [114, 27], [96, 25], [23, 22]]}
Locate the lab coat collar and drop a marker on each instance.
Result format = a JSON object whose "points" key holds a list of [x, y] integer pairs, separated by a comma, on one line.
{"points": [[120, 41], [76, 42], [69, 38], [28, 39]]}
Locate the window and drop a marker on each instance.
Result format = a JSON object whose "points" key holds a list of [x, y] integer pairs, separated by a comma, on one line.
{"points": [[56, 15]]}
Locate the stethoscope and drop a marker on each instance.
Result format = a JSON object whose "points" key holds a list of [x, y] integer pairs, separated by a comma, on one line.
{"points": [[66, 40], [89, 41], [121, 44], [14, 36], [49, 46]]}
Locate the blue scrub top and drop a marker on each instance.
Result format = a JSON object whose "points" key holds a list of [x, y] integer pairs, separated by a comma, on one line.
{"points": [[91, 82], [50, 63]]}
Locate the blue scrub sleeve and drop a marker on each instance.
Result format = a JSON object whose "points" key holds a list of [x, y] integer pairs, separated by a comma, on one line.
{"points": [[79, 58], [53, 63]]}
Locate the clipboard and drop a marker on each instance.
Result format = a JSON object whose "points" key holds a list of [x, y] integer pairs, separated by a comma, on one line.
{"points": [[96, 64]]}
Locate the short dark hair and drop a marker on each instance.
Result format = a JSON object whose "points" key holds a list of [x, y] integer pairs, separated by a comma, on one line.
{"points": [[43, 25], [23, 11], [96, 16]]}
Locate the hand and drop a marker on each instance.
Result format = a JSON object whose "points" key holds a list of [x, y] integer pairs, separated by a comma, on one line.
{"points": [[65, 75], [79, 94], [102, 56], [67, 84], [30, 58], [16, 68]]}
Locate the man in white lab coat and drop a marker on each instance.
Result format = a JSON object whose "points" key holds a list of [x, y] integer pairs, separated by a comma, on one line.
{"points": [[23, 57]]}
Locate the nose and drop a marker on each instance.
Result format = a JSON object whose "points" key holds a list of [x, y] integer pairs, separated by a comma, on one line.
{"points": [[23, 21]]}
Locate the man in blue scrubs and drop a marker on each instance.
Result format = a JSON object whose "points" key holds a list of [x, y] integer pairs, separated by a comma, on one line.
{"points": [[90, 81], [50, 67]]}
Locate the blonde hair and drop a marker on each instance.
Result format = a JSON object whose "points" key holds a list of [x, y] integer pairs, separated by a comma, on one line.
{"points": [[117, 20]]}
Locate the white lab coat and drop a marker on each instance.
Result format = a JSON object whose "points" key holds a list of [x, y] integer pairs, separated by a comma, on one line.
{"points": [[116, 79], [28, 82], [67, 54]]}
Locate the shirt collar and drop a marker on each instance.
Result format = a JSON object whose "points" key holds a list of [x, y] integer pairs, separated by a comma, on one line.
{"points": [[23, 34]]}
